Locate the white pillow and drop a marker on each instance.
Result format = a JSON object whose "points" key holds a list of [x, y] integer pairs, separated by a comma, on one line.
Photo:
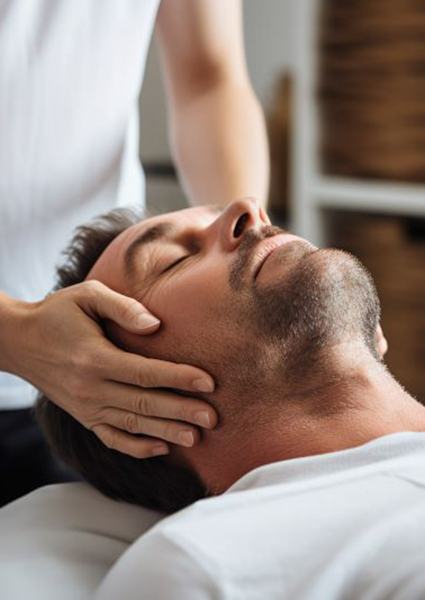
{"points": [[61, 540]]}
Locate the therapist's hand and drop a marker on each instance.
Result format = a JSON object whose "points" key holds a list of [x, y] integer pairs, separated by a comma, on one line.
{"points": [[114, 393]]}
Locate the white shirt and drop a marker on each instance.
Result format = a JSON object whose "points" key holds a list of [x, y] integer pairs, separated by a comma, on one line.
{"points": [[60, 541], [344, 525], [70, 76]]}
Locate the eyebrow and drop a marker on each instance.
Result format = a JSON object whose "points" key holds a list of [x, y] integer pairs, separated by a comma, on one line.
{"points": [[157, 232], [161, 231]]}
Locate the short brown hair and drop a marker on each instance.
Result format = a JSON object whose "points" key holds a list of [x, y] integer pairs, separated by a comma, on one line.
{"points": [[155, 483]]}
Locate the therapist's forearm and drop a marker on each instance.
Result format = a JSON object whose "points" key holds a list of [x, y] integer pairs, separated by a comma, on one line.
{"points": [[220, 145], [11, 331]]}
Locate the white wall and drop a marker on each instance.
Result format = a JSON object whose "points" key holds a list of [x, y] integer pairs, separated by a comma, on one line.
{"points": [[268, 42]]}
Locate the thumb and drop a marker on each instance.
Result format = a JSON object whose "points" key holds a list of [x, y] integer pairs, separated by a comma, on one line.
{"points": [[99, 301]]}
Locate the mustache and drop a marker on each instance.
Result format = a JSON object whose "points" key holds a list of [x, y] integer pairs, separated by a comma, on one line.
{"points": [[242, 262]]}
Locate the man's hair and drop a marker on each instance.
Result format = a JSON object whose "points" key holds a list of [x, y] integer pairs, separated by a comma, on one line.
{"points": [[155, 483]]}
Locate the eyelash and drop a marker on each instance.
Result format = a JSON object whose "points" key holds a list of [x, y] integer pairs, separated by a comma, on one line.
{"points": [[175, 263]]}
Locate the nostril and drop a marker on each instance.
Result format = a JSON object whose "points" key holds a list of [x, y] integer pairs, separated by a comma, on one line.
{"points": [[240, 225]]}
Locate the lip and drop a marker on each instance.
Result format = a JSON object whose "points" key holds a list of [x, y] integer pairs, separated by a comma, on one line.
{"points": [[268, 246]]}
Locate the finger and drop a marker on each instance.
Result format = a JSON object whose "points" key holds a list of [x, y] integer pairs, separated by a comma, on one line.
{"points": [[99, 301], [169, 431], [138, 447], [125, 367], [156, 403]]}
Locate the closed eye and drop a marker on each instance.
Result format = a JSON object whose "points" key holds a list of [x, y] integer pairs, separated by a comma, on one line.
{"points": [[175, 263]]}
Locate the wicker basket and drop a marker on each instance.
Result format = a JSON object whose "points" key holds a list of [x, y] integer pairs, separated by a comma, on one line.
{"points": [[371, 88]]}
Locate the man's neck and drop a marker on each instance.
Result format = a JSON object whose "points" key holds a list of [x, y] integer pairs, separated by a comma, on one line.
{"points": [[363, 404]]}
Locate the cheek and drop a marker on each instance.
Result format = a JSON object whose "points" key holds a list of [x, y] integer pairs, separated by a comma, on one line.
{"points": [[191, 306], [190, 309], [203, 323], [190, 296]]}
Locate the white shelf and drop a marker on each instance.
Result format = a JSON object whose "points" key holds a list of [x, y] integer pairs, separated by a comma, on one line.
{"points": [[385, 197], [312, 191]]}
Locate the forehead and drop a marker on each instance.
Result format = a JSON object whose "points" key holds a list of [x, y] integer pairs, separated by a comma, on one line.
{"points": [[199, 216], [109, 268]]}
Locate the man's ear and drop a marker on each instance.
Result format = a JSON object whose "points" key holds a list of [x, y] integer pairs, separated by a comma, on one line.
{"points": [[381, 342]]}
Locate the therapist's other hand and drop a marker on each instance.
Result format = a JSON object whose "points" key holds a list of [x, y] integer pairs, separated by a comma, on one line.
{"points": [[112, 392]]}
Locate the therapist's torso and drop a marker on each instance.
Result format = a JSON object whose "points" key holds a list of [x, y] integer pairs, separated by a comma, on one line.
{"points": [[70, 76]]}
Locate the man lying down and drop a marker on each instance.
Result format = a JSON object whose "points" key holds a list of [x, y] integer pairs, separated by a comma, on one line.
{"points": [[313, 483]]}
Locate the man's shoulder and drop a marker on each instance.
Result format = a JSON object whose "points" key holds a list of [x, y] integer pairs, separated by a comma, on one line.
{"points": [[413, 474], [161, 563], [363, 526], [213, 514]]}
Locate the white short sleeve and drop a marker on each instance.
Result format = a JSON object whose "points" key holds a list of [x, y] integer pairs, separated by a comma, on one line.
{"points": [[158, 567]]}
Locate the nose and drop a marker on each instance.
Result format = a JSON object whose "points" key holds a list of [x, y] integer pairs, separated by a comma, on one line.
{"points": [[235, 220]]}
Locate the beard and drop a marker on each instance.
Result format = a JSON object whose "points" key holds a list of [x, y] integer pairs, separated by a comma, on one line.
{"points": [[324, 297], [320, 298]]}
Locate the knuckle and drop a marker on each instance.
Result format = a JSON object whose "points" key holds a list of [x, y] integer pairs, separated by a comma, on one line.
{"points": [[80, 391], [145, 378], [106, 437], [82, 359], [84, 415], [92, 421], [110, 442], [95, 359], [144, 405], [130, 423], [93, 286], [88, 360]]}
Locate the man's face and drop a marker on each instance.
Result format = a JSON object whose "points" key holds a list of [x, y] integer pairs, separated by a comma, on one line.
{"points": [[229, 288]]}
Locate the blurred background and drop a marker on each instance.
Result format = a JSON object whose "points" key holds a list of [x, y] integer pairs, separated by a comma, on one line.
{"points": [[269, 47], [342, 85]]}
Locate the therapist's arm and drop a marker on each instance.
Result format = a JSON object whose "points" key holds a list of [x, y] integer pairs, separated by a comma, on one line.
{"points": [[217, 129]]}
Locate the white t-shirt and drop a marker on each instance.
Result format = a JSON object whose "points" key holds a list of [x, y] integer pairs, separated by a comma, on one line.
{"points": [[60, 541], [70, 76], [344, 525]]}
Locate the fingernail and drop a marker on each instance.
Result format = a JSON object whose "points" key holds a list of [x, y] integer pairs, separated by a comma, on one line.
{"points": [[186, 438], [158, 450], [203, 385], [146, 320], [203, 418]]}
